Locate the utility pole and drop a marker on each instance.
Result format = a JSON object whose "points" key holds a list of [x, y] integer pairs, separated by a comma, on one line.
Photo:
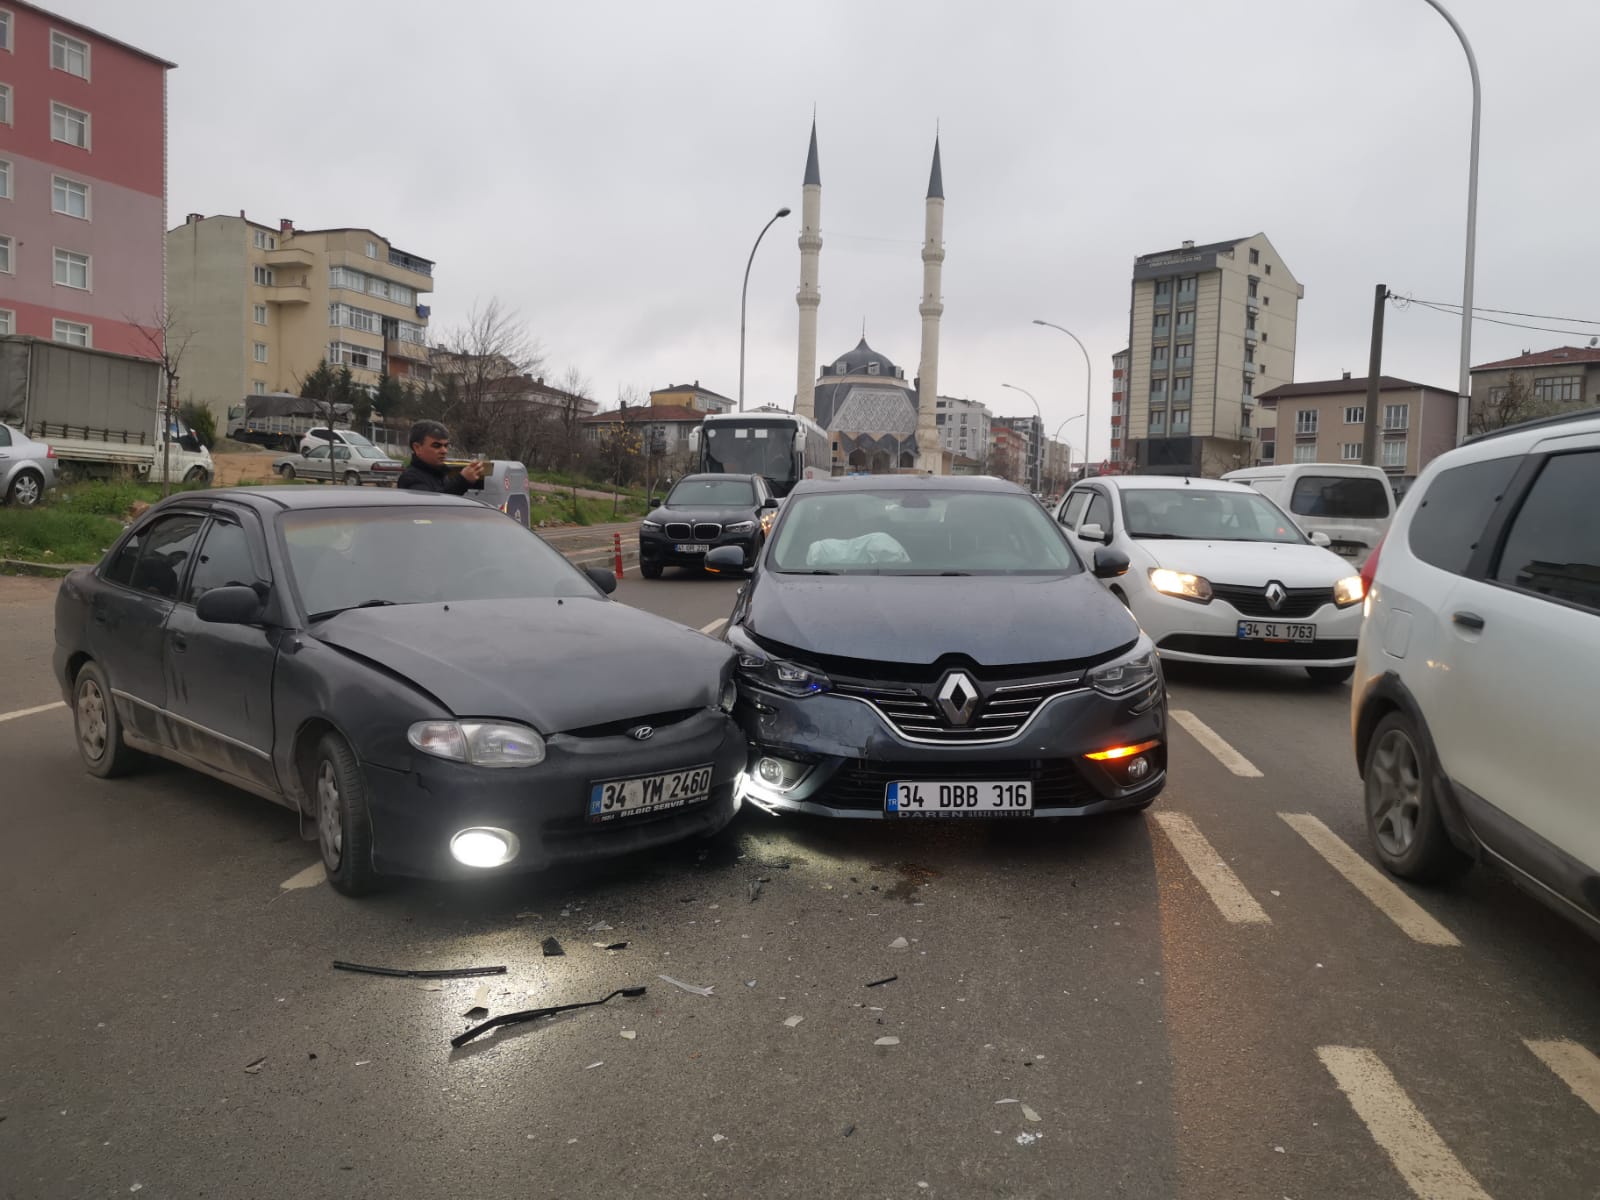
{"points": [[1369, 433]]}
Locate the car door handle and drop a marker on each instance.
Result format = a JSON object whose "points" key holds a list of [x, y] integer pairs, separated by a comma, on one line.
{"points": [[1468, 620], [180, 643]]}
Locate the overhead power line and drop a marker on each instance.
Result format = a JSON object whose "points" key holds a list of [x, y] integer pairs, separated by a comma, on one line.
{"points": [[1455, 311]]}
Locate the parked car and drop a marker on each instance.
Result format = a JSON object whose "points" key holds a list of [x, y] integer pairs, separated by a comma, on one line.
{"points": [[27, 468], [400, 669], [701, 513], [352, 465], [1220, 574], [914, 646], [1351, 503], [323, 436], [1473, 704]]}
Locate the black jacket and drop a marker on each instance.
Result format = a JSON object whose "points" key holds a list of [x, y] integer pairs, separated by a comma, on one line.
{"points": [[420, 477]]}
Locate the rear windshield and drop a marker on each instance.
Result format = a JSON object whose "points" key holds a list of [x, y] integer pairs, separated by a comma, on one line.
{"points": [[920, 533], [1351, 497]]}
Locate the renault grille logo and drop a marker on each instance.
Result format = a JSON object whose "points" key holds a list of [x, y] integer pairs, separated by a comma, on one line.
{"points": [[642, 733], [958, 697], [1276, 596]]}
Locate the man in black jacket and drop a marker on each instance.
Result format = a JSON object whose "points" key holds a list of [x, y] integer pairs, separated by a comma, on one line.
{"points": [[430, 446]]}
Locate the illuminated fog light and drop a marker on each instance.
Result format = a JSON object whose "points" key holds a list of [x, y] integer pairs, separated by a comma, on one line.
{"points": [[483, 847], [1138, 768], [770, 771]]}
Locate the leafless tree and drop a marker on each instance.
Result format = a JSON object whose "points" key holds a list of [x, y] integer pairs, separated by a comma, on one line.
{"points": [[569, 431], [479, 368], [1509, 404], [166, 336]]}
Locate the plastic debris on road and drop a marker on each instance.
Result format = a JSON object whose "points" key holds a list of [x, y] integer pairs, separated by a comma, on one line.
{"points": [[1028, 1139], [480, 1002], [717, 1137], [552, 948], [1030, 1114], [599, 927], [688, 987], [848, 1130], [755, 887], [887, 1041], [254, 1068], [899, 944], [630, 1034], [593, 1065], [1006, 1102], [881, 982], [609, 945], [791, 1022]]}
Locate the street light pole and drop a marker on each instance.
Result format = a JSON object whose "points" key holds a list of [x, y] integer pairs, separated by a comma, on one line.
{"points": [[1038, 447], [1464, 396], [1088, 391], [1057, 435], [744, 293]]}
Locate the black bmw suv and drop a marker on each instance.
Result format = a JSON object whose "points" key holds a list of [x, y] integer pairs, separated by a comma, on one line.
{"points": [[702, 513]]}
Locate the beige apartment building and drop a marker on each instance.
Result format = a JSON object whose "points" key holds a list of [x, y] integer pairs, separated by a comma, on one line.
{"points": [[1324, 422], [263, 305], [1566, 377], [1210, 328]]}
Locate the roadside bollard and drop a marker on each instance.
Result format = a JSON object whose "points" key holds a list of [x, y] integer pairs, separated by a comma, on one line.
{"points": [[616, 540]]}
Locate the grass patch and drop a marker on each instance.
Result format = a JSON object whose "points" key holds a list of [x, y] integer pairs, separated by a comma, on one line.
{"points": [[52, 534], [562, 479], [107, 498]]}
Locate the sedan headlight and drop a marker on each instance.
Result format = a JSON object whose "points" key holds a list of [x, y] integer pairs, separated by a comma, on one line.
{"points": [[650, 526], [1349, 590], [779, 675], [739, 527], [1129, 673], [1176, 583], [480, 743]]}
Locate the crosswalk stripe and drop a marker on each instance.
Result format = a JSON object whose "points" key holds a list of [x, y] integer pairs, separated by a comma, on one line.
{"points": [[1577, 1067], [1212, 741], [1400, 908], [1412, 1144], [1221, 884]]}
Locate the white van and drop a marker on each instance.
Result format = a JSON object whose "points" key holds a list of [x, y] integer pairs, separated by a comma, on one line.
{"points": [[1350, 503]]}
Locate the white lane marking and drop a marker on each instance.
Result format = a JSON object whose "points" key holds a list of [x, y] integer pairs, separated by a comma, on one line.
{"points": [[1412, 1144], [28, 712], [1400, 908], [714, 626], [1221, 884], [1212, 741], [1578, 1068], [310, 877]]}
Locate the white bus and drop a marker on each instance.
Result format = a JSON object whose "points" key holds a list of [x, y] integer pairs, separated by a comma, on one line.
{"points": [[780, 446]]}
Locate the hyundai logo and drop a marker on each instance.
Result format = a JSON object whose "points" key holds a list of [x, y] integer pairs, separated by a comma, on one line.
{"points": [[1276, 595], [642, 733], [958, 697]]}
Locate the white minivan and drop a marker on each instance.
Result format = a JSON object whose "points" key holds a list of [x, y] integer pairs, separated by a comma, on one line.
{"points": [[1350, 503]]}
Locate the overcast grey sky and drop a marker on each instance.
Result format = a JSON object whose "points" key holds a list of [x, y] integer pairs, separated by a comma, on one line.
{"points": [[604, 167]]}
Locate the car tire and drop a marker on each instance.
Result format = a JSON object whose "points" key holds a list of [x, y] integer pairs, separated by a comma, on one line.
{"points": [[26, 489], [650, 570], [1402, 791], [1330, 676], [97, 727], [351, 479], [286, 471], [197, 475], [338, 792]]}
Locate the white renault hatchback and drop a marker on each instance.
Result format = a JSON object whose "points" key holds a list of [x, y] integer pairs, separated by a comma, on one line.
{"points": [[1473, 708], [1221, 574]]}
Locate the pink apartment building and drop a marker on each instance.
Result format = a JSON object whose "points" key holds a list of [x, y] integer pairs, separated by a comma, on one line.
{"points": [[83, 159]]}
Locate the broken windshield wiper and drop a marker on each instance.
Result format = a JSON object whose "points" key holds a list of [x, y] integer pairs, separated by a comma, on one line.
{"points": [[334, 612], [533, 1014]]}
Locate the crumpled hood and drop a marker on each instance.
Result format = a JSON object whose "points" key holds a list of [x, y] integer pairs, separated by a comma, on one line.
{"points": [[1249, 564], [554, 665], [995, 620]]}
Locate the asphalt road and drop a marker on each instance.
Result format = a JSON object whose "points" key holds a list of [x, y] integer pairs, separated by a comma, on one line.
{"points": [[1193, 1003]]}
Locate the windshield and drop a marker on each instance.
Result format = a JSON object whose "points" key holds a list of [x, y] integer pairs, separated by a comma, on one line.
{"points": [[345, 557], [920, 533], [353, 439], [699, 493], [368, 452], [1352, 497], [758, 449], [1202, 514]]}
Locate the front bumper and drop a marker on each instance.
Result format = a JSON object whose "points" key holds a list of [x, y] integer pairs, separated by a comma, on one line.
{"points": [[853, 754], [1185, 631], [660, 550], [416, 812]]}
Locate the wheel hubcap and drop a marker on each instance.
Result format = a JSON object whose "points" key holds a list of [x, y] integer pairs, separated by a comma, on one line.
{"points": [[92, 724], [1394, 792], [330, 823], [27, 490]]}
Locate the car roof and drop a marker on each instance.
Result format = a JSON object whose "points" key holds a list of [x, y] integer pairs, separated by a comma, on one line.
{"points": [[709, 475], [1130, 483], [307, 498], [907, 483]]}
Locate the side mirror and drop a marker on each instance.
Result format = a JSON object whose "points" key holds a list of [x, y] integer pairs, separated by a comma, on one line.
{"points": [[603, 579], [1093, 533], [770, 502], [1108, 563], [725, 558], [232, 605], [1321, 539], [655, 504]]}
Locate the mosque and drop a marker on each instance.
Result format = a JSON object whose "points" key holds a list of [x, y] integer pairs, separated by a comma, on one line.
{"points": [[876, 420]]}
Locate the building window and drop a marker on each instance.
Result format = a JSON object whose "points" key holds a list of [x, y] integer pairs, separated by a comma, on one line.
{"points": [[5, 104], [1305, 421], [259, 387], [347, 317], [1186, 322], [1182, 389], [1158, 423], [1249, 387], [1355, 414], [1263, 335], [73, 333], [1306, 452], [872, 368], [1268, 268], [1350, 452], [265, 241], [1255, 256], [5, 30], [1397, 416], [372, 249], [1163, 289], [69, 54], [1185, 354], [72, 270], [1158, 391], [8, 321], [263, 276], [345, 354], [1180, 421], [1250, 322], [1186, 289], [260, 352], [69, 197], [1267, 301], [5, 256], [1394, 453], [69, 125], [1558, 388], [5, 179], [260, 314], [1250, 354], [1158, 358], [1253, 288]]}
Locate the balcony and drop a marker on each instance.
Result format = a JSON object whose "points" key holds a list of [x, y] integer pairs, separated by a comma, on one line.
{"points": [[410, 351], [1305, 435], [1249, 370], [1251, 307], [1251, 338], [293, 292], [290, 256], [410, 262]]}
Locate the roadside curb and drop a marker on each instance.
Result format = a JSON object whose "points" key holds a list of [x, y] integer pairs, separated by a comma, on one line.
{"points": [[19, 566]]}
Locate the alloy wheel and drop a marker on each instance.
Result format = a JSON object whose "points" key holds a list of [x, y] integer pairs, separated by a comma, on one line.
{"points": [[92, 723], [25, 491], [1394, 792], [330, 815]]}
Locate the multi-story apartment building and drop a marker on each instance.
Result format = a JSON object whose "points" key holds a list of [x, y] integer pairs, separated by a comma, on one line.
{"points": [[1029, 463], [83, 184], [1059, 467], [1008, 453], [963, 427], [262, 305], [1211, 327], [691, 396], [1566, 376], [1121, 363], [1324, 422]]}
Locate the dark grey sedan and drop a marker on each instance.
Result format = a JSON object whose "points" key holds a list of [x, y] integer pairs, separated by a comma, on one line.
{"points": [[432, 687], [933, 647]]}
